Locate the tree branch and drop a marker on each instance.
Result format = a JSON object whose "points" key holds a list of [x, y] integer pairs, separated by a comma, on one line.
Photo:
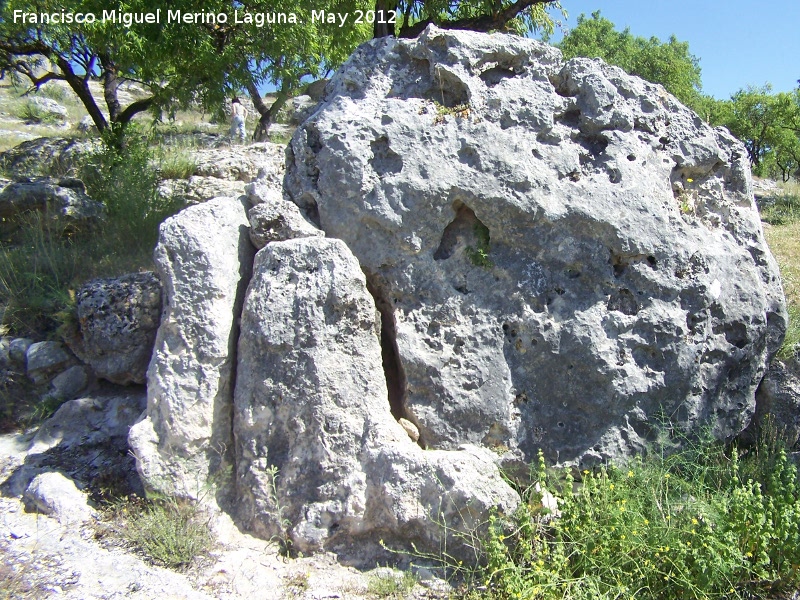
{"points": [[487, 22]]}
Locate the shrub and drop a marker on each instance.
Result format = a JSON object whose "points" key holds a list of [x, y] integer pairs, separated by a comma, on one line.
{"points": [[54, 92], [686, 525], [31, 113], [783, 208]]}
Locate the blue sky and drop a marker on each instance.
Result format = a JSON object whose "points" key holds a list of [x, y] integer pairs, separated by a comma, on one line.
{"points": [[738, 43]]}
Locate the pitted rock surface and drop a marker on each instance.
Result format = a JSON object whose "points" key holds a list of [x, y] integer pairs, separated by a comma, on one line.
{"points": [[311, 401], [203, 257], [563, 253], [116, 326]]}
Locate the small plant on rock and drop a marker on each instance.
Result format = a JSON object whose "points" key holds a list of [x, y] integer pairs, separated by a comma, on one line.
{"points": [[479, 254]]}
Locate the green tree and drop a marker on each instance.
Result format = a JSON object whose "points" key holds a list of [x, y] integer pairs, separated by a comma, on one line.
{"points": [[668, 63], [43, 50]]}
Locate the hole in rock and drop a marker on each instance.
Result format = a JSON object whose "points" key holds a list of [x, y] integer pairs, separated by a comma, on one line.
{"points": [[384, 160], [491, 77], [623, 301], [390, 356], [448, 89], [570, 118], [462, 232], [596, 144]]}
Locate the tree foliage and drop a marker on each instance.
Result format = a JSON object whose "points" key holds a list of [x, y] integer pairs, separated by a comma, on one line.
{"points": [[668, 63], [413, 16]]}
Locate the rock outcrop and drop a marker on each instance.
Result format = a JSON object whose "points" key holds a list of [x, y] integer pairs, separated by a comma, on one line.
{"points": [[563, 254], [63, 201], [311, 401], [116, 326], [45, 155], [203, 259]]}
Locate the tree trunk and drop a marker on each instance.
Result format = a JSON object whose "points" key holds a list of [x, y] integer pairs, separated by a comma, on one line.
{"points": [[267, 115]]}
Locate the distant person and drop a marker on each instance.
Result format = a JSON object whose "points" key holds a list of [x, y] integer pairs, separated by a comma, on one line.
{"points": [[238, 116]]}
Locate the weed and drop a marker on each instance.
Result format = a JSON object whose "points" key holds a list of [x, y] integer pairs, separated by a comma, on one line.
{"points": [[176, 164], [171, 532], [388, 584], [54, 92], [479, 256], [31, 113], [688, 524], [792, 339], [297, 584], [278, 513]]}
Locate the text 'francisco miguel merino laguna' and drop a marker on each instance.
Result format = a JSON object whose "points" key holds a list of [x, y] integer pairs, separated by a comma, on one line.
{"points": [[158, 16]]}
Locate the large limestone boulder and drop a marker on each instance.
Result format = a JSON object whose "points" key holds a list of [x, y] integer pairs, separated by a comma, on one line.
{"points": [[203, 259], [116, 326], [563, 254], [311, 401]]}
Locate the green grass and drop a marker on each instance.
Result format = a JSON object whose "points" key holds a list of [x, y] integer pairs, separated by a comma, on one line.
{"points": [[705, 522], [171, 532]]}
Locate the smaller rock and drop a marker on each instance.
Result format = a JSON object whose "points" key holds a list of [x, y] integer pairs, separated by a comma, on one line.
{"points": [[70, 383], [53, 494], [263, 189], [44, 359], [778, 404], [410, 428], [46, 155], [198, 189], [86, 125], [49, 109], [302, 108], [18, 349], [5, 357], [278, 221], [64, 200], [316, 89], [117, 323]]}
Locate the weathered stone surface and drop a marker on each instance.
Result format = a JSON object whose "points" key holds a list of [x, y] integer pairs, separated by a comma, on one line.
{"points": [[203, 258], [316, 89], [278, 221], [562, 252], [45, 155], [49, 108], [116, 326], [778, 403], [90, 422], [61, 200], [53, 494], [18, 349], [45, 359], [199, 189], [311, 401], [301, 109], [68, 384], [241, 163]]}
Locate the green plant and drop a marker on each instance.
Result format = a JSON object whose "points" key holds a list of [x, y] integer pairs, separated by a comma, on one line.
{"points": [[687, 524], [389, 584], [54, 92], [31, 113], [479, 255], [170, 531], [176, 164], [278, 513]]}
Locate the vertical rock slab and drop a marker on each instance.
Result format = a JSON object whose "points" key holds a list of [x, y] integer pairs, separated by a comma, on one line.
{"points": [[564, 255], [204, 260], [311, 405]]}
